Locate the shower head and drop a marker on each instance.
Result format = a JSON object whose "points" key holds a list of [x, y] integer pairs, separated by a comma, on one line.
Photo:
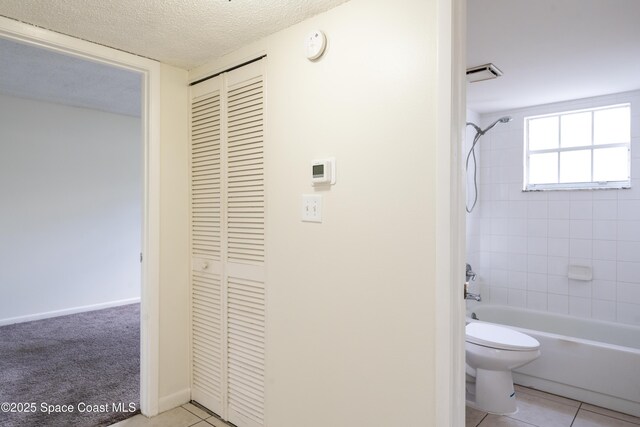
{"points": [[505, 119]]}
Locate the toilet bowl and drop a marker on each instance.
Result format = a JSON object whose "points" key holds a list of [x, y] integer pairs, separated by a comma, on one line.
{"points": [[492, 352]]}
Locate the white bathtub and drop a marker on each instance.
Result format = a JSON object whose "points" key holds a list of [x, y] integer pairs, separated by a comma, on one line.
{"points": [[589, 360]]}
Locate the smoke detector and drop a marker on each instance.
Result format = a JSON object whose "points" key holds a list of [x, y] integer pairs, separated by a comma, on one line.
{"points": [[483, 72]]}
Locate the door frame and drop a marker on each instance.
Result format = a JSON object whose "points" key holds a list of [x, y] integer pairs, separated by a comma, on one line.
{"points": [[150, 267], [450, 214]]}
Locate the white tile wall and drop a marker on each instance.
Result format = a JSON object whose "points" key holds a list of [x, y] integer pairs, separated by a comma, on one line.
{"points": [[606, 249], [558, 303], [521, 243], [604, 290], [603, 310], [605, 209], [581, 228], [579, 306]]}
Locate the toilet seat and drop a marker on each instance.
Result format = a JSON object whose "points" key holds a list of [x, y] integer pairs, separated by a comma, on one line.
{"points": [[493, 336]]}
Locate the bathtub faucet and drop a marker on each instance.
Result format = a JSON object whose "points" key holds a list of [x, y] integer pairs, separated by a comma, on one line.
{"points": [[471, 275]]}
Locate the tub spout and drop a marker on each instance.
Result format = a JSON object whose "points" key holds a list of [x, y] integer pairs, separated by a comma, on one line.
{"points": [[469, 295], [476, 297]]}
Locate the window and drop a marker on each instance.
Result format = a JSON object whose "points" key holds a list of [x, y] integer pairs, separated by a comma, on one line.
{"points": [[578, 149]]}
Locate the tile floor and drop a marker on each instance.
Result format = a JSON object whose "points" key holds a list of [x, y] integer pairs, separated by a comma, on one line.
{"points": [[536, 408], [188, 415]]}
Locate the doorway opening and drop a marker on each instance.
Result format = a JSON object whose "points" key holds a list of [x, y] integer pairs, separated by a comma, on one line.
{"points": [[71, 173], [95, 220]]}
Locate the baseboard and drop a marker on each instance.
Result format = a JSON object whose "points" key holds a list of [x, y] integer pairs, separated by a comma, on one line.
{"points": [[174, 400], [66, 311]]}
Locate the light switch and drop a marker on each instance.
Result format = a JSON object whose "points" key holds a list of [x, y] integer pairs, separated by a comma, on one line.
{"points": [[311, 208]]}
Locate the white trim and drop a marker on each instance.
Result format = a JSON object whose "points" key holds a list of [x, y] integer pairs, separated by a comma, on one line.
{"points": [[580, 148], [150, 308], [450, 215], [581, 110], [67, 311], [150, 70], [174, 400], [605, 185]]}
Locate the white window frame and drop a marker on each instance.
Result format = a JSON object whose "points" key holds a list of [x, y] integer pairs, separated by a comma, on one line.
{"points": [[574, 185]]}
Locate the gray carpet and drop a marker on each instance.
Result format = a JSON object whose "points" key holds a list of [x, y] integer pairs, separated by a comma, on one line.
{"points": [[91, 357]]}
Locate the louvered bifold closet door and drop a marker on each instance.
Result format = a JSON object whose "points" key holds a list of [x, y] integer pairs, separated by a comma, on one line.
{"points": [[245, 223], [208, 335], [228, 245]]}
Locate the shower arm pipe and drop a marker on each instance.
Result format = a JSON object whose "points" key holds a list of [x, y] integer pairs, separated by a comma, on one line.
{"points": [[476, 127]]}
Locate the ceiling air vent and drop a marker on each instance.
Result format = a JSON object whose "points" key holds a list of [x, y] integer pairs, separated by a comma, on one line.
{"points": [[483, 72]]}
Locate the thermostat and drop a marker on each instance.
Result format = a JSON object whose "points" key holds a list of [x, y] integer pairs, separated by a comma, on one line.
{"points": [[323, 171]]}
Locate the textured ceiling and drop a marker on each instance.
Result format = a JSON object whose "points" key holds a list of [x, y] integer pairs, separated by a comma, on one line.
{"points": [[31, 72], [552, 50], [184, 33]]}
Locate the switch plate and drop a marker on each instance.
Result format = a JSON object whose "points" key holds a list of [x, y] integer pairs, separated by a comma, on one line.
{"points": [[311, 208]]}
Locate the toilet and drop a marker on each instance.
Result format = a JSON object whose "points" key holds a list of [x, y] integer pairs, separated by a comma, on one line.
{"points": [[492, 351]]}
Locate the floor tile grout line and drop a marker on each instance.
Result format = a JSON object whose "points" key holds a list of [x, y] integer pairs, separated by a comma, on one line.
{"points": [[580, 404], [482, 419], [191, 412], [578, 408], [206, 410], [551, 399], [612, 416], [576, 415], [520, 421]]}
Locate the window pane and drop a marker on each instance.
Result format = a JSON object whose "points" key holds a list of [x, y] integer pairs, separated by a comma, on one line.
{"points": [[543, 168], [575, 166], [611, 164], [611, 126], [575, 129], [543, 133]]}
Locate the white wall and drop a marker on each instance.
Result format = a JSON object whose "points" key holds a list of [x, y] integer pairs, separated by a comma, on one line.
{"points": [[529, 238], [70, 216], [350, 318], [174, 373]]}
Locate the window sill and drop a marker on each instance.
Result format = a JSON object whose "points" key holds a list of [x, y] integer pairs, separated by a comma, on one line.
{"points": [[625, 186]]}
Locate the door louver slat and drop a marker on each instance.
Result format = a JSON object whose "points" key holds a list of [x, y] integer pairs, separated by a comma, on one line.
{"points": [[228, 245], [206, 176], [246, 347], [206, 334], [245, 173], [207, 340]]}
